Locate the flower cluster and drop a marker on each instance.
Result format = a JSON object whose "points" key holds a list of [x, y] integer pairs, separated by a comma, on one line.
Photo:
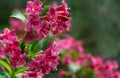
{"points": [[41, 65], [57, 19], [24, 50], [10, 47], [44, 63], [84, 64]]}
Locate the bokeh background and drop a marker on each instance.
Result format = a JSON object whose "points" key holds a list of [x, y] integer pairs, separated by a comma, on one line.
{"points": [[96, 22]]}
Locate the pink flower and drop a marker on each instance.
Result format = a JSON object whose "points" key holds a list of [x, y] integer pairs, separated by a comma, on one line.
{"points": [[32, 23], [16, 24], [116, 75], [17, 60], [96, 61], [110, 66], [59, 18], [62, 73], [63, 9], [66, 60], [2, 54], [67, 43], [34, 8], [13, 48], [8, 36], [105, 70], [45, 62], [31, 36], [43, 30], [80, 48], [63, 18], [81, 61], [10, 47], [100, 69], [9, 42], [33, 74]]}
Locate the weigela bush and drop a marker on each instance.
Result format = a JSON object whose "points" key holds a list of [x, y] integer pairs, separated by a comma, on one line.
{"points": [[80, 64], [29, 50]]}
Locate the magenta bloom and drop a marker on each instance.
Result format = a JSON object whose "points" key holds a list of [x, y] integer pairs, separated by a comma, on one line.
{"points": [[8, 36], [116, 74], [33, 74], [111, 66], [67, 60], [34, 8], [97, 65], [2, 54], [12, 49], [45, 62], [16, 24], [32, 23], [96, 61], [31, 36], [59, 18], [62, 73], [10, 46], [63, 9], [9, 42], [67, 43], [17, 60], [43, 30]]}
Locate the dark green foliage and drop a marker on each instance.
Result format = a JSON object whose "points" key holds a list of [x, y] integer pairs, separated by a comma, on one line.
{"points": [[22, 46], [46, 8], [4, 75], [18, 15]]}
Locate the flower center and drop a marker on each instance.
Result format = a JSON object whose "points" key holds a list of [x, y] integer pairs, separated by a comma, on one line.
{"points": [[34, 8], [12, 47], [34, 22]]}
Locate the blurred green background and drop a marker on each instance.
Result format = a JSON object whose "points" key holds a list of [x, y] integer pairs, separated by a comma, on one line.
{"points": [[97, 22]]}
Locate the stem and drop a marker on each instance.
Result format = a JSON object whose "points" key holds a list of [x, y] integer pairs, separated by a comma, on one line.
{"points": [[24, 36], [2, 68], [44, 2], [13, 74], [73, 76]]}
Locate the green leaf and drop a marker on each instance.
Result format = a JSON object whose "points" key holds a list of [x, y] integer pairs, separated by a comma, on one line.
{"points": [[90, 73], [46, 8], [62, 54], [20, 71], [28, 47], [18, 15], [3, 63], [19, 76], [22, 46], [75, 55], [80, 72], [7, 59], [34, 44], [74, 67], [4, 75], [41, 45], [47, 42], [37, 46]]}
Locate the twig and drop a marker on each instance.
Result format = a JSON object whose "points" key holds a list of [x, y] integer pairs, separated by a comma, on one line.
{"points": [[24, 36], [44, 2]]}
